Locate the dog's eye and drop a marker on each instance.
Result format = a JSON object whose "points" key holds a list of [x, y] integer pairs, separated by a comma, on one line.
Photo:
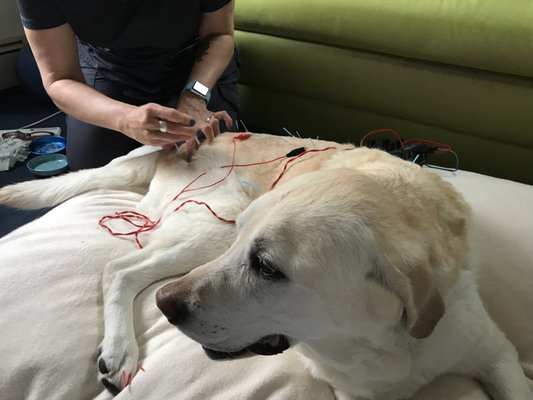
{"points": [[266, 269]]}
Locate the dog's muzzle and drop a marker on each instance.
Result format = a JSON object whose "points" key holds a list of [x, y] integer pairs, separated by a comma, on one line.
{"points": [[166, 300], [177, 313], [268, 346]]}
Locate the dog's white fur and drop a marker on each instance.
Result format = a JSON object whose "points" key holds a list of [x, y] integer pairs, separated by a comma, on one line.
{"points": [[376, 296]]}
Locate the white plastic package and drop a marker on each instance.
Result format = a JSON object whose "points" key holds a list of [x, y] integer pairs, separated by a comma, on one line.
{"points": [[11, 151]]}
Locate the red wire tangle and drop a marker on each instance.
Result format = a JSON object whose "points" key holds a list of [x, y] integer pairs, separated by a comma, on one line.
{"points": [[142, 223], [441, 147]]}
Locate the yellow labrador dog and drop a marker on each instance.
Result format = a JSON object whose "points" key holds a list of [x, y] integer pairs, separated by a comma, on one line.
{"points": [[352, 257]]}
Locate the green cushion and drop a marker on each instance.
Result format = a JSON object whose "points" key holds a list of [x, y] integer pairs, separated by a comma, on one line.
{"points": [[272, 111], [340, 94], [492, 35], [480, 104]]}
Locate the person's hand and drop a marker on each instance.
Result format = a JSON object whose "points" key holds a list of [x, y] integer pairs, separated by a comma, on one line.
{"points": [[207, 122], [143, 124]]}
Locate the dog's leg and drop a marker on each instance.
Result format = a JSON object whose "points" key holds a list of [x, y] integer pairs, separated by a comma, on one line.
{"points": [[497, 366], [127, 174], [340, 395], [126, 277], [504, 379]]}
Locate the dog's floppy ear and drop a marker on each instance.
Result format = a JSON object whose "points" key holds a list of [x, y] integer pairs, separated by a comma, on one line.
{"points": [[424, 304], [414, 284]]}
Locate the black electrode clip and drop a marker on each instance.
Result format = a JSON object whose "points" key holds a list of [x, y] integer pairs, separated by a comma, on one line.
{"points": [[415, 152], [295, 152]]}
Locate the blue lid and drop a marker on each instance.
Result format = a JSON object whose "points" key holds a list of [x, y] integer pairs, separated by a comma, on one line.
{"points": [[48, 145], [48, 164]]}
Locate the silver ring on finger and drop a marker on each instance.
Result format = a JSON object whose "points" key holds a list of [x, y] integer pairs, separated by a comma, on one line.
{"points": [[162, 125], [209, 118]]}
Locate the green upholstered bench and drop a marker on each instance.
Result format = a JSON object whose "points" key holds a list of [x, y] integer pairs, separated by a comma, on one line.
{"points": [[456, 71]]}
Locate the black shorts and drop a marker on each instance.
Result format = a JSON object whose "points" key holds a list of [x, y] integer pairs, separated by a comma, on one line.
{"points": [[90, 146]]}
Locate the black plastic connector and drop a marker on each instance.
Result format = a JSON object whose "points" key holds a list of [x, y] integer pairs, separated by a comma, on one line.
{"points": [[295, 152]]}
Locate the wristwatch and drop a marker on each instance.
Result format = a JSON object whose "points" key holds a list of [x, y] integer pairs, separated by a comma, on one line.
{"points": [[199, 89]]}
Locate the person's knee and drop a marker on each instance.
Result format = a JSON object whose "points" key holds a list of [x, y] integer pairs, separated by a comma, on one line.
{"points": [[90, 146]]}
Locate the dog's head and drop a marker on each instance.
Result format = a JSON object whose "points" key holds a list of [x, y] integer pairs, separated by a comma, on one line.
{"points": [[332, 254]]}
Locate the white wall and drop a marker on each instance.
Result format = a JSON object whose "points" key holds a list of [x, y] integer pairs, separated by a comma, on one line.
{"points": [[10, 27], [11, 36]]}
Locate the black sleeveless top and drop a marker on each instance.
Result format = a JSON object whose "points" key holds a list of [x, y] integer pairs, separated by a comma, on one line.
{"points": [[145, 44]]}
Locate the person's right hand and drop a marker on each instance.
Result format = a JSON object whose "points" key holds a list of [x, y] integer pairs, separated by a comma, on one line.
{"points": [[142, 124]]}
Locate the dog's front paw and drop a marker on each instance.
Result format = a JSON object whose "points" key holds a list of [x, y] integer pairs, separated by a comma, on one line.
{"points": [[117, 364]]}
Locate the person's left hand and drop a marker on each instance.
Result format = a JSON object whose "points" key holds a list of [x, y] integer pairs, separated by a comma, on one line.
{"points": [[207, 122]]}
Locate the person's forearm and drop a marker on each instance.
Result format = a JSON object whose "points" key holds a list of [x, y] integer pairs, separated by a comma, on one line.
{"points": [[213, 56], [56, 54], [86, 104], [140, 123]]}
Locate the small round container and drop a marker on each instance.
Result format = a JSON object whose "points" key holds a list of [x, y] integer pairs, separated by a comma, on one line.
{"points": [[48, 145], [48, 165]]}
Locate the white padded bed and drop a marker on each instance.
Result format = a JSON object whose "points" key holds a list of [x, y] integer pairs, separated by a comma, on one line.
{"points": [[51, 308]]}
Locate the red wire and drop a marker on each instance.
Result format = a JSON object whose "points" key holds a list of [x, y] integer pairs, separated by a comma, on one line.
{"points": [[212, 184], [144, 224], [254, 164], [379, 131], [443, 147], [186, 187], [232, 221], [294, 159]]}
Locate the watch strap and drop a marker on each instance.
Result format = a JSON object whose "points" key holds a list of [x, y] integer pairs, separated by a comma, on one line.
{"points": [[198, 89]]}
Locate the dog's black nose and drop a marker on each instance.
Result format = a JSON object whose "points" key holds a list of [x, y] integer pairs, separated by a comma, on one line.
{"points": [[168, 301]]}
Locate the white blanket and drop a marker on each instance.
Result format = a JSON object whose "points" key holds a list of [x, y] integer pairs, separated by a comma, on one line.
{"points": [[51, 309]]}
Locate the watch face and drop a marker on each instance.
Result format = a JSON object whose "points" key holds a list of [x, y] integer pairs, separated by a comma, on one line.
{"points": [[200, 88]]}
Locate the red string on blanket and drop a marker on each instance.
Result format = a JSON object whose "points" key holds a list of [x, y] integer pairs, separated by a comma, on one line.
{"points": [[138, 220], [144, 224], [127, 379]]}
